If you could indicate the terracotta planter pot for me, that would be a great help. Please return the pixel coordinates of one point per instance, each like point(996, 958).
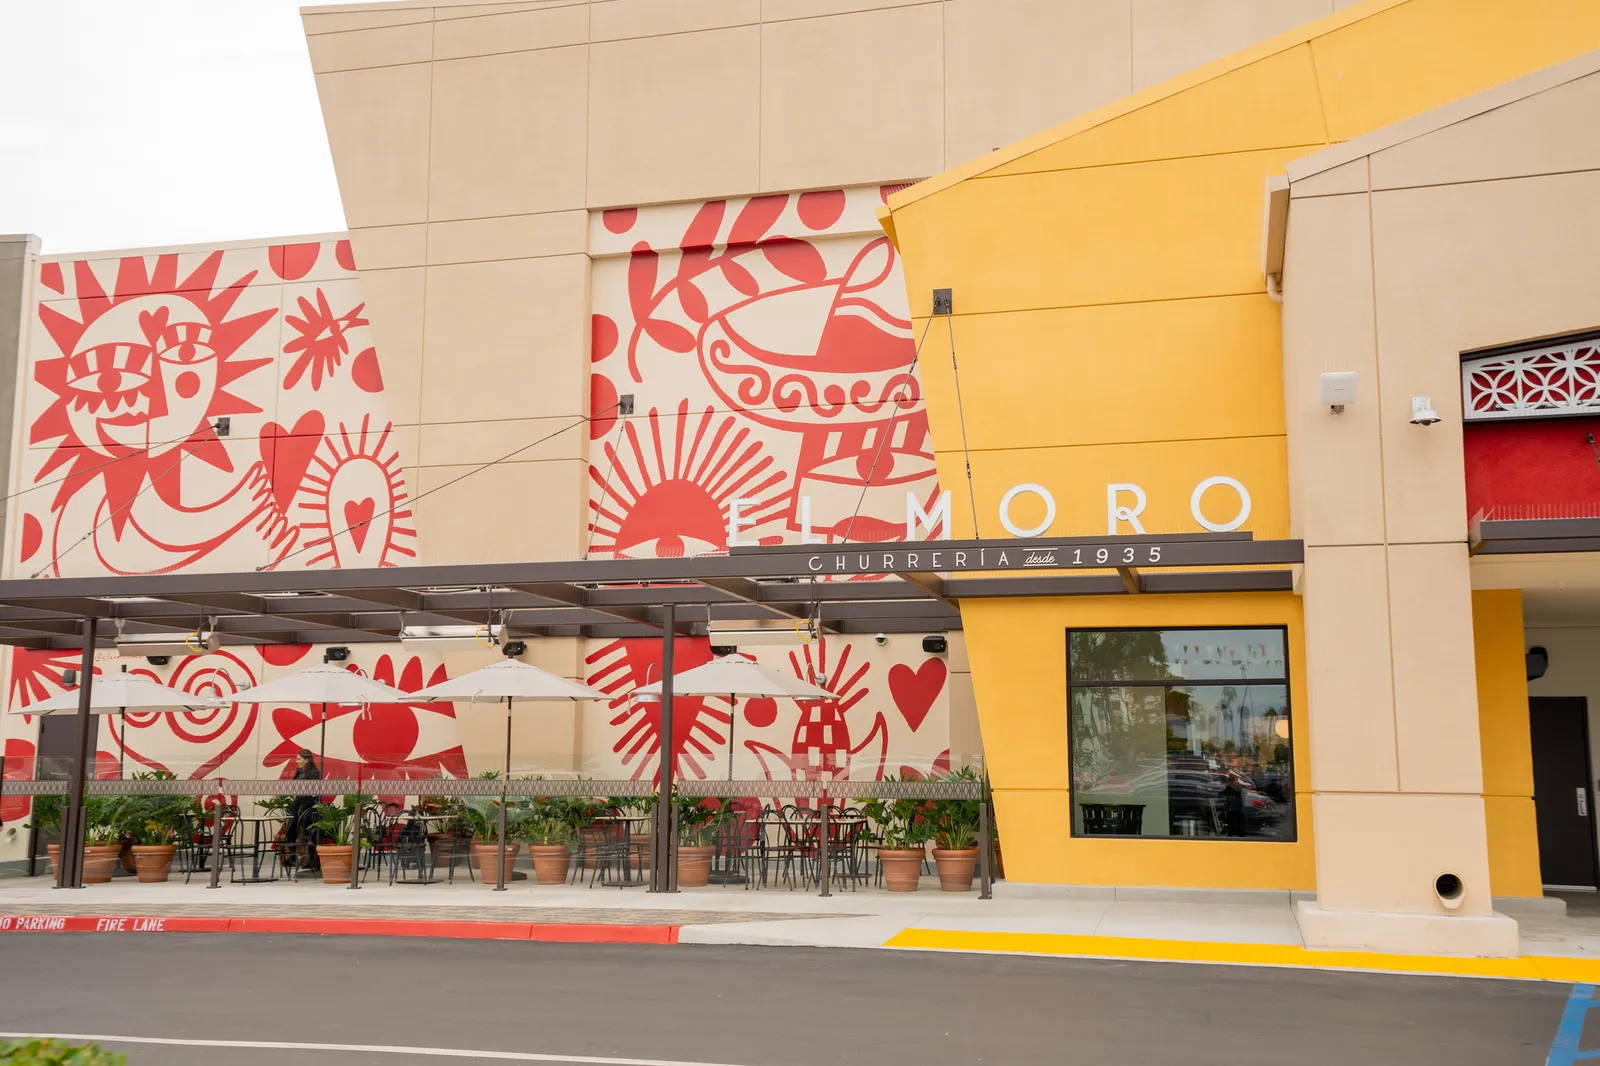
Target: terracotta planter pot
point(100, 862)
point(551, 862)
point(126, 859)
point(483, 856)
point(956, 868)
point(901, 868)
point(102, 873)
point(335, 860)
point(694, 865)
point(153, 862)
point(439, 848)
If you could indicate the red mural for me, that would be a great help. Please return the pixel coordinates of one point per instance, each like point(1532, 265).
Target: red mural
point(140, 359)
point(769, 349)
point(217, 409)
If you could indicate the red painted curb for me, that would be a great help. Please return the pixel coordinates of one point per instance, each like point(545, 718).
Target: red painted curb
point(130, 923)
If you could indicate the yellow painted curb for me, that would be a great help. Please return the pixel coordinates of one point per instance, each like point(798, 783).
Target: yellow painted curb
point(1525, 968)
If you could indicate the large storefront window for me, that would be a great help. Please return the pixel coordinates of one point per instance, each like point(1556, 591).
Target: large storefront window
point(1180, 733)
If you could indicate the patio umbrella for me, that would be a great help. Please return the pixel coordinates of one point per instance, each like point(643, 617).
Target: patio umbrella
point(118, 692)
point(734, 676)
point(323, 684)
point(511, 681)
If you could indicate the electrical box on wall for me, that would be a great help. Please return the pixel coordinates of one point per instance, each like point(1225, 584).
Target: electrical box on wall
point(1339, 389)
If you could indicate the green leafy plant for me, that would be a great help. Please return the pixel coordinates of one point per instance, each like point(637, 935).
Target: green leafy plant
point(955, 822)
point(336, 822)
point(549, 820)
point(51, 1053)
point(698, 820)
point(902, 823)
point(147, 819)
point(48, 811)
point(99, 819)
point(275, 805)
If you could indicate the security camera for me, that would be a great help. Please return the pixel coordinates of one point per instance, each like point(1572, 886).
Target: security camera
point(1422, 412)
point(880, 640)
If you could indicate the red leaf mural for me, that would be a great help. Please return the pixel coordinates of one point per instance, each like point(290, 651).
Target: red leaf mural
point(702, 232)
point(798, 259)
point(756, 219)
point(670, 335)
point(740, 278)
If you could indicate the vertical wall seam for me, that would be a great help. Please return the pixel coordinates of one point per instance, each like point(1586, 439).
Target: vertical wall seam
point(1383, 477)
point(427, 255)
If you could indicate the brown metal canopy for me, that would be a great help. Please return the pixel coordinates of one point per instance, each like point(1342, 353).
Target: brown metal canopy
point(915, 589)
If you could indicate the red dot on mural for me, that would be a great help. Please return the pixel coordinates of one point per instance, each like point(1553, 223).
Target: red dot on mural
point(32, 536)
point(761, 711)
point(621, 219)
point(602, 406)
point(604, 340)
point(187, 385)
point(345, 257)
point(365, 373)
point(284, 654)
point(291, 262)
point(819, 210)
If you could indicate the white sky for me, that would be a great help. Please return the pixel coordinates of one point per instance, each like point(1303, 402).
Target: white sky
point(126, 123)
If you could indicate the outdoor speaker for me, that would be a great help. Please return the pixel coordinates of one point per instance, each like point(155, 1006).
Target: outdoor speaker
point(1538, 661)
point(935, 645)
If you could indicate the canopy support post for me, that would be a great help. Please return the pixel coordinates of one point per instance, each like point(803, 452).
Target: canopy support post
point(69, 871)
point(664, 870)
point(505, 783)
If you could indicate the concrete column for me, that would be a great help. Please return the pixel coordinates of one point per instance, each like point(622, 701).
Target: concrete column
point(1396, 763)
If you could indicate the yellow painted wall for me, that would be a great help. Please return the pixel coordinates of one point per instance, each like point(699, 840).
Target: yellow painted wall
point(1112, 324)
point(1507, 749)
point(1018, 651)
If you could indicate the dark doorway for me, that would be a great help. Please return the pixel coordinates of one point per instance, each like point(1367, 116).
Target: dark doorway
point(1563, 791)
point(57, 748)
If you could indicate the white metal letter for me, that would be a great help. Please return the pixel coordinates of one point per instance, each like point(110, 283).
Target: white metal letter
point(1220, 527)
point(806, 536)
point(737, 521)
point(1118, 512)
point(1049, 510)
point(936, 522)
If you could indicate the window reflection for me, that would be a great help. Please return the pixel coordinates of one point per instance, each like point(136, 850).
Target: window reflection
point(1208, 756)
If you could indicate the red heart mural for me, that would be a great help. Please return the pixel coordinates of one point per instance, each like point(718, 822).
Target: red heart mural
point(915, 690)
point(288, 453)
point(357, 515)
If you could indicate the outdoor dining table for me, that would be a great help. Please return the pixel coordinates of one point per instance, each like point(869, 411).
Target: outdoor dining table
point(632, 825)
point(258, 830)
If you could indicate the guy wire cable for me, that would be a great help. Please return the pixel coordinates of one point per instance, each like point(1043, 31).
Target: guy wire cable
point(887, 433)
point(961, 412)
point(411, 501)
point(114, 512)
point(605, 489)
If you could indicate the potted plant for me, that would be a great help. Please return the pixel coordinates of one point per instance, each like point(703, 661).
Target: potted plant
point(550, 824)
point(904, 828)
point(697, 833)
point(149, 825)
point(955, 836)
point(442, 808)
point(335, 828)
point(482, 813)
point(102, 850)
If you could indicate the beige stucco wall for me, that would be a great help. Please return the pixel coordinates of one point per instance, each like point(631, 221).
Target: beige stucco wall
point(470, 140)
point(1398, 261)
point(18, 252)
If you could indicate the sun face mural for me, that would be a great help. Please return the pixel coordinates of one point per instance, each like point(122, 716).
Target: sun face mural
point(216, 409)
point(136, 362)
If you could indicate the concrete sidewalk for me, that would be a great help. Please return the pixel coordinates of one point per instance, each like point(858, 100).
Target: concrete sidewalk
point(1175, 925)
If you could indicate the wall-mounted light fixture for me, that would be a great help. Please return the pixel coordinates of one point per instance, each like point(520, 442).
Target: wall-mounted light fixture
point(1422, 412)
